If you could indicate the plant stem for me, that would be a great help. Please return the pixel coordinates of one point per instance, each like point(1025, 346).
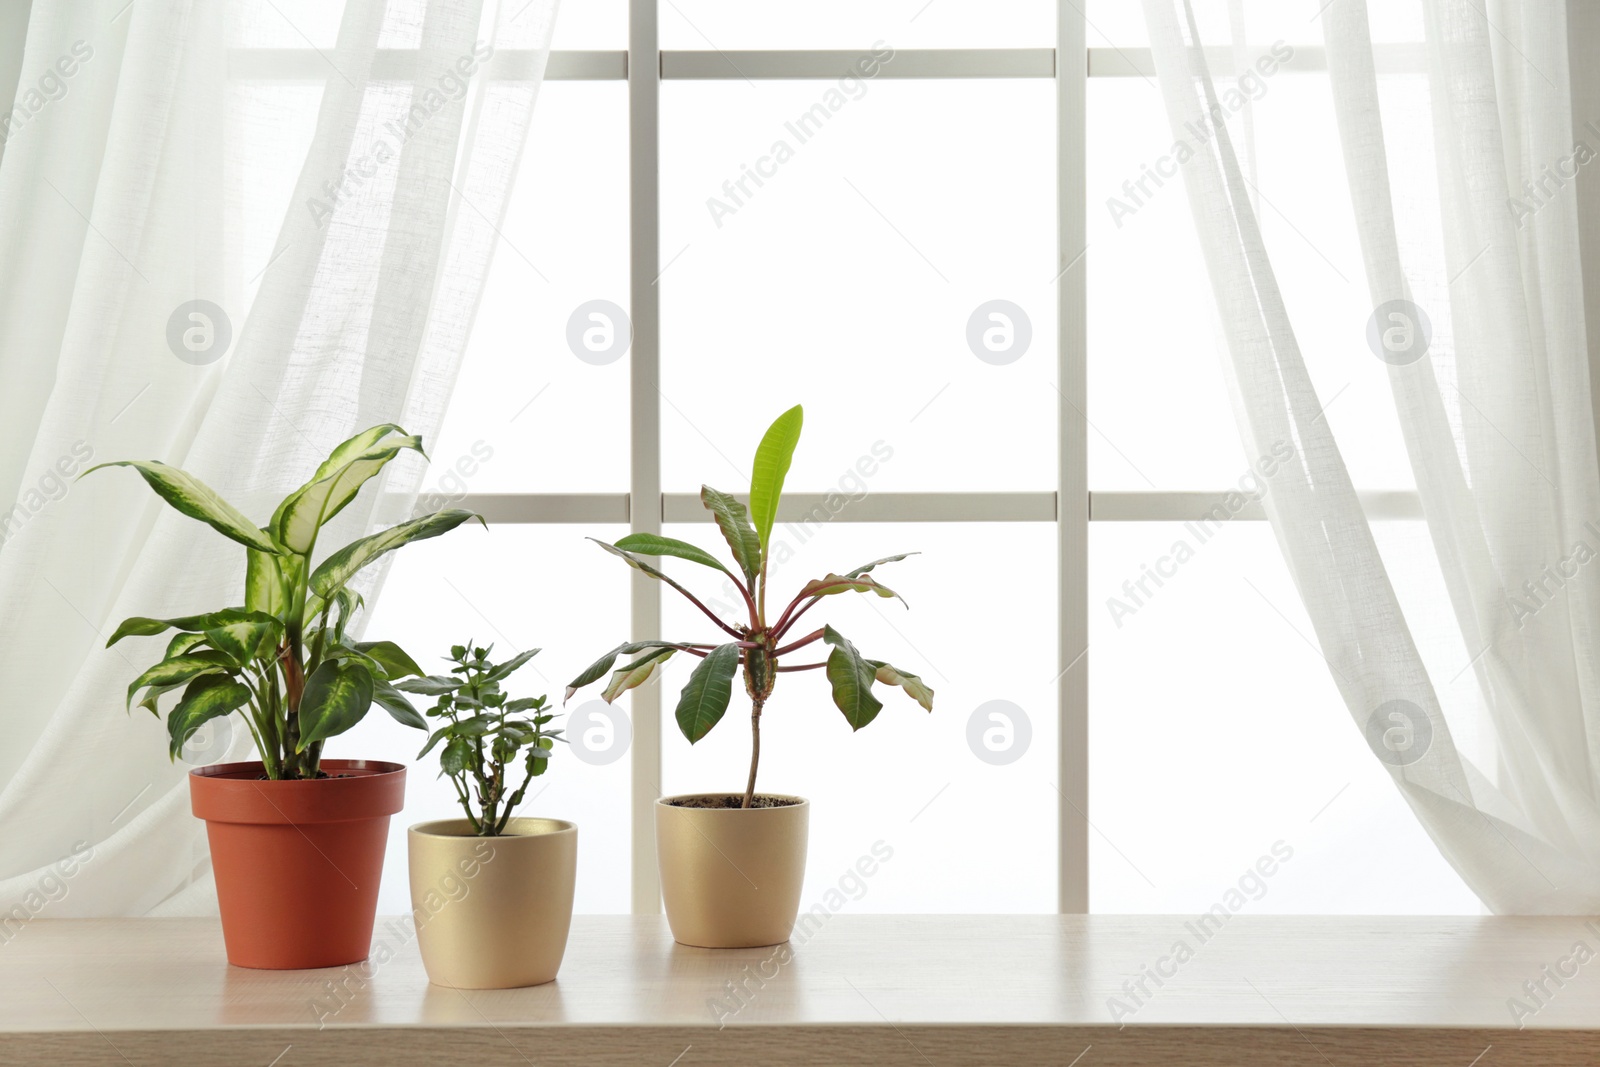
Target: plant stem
point(755, 750)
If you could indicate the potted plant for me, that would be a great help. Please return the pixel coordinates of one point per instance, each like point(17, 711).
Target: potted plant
point(732, 864)
point(297, 841)
point(491, 894)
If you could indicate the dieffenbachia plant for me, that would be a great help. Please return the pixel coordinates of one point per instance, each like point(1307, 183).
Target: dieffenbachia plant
point(484, 733)
point(282, 658)
point(758, 644)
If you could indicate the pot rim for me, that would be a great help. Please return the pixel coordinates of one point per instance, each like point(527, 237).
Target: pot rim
point(233, 771)
point(796, 802)
point(435, 829)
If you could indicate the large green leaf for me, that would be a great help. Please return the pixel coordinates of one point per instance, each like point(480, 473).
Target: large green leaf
point(859, 571)
point(399, 708)
point(655, 545)
point(635, 674)
point(640, 565)
point(177, 670)
point(835, 583)
point(705, 698)
point(734, 521)
point(182, 643)
point(769, 469)
point(139, 626)
point(206, 698)
point(596, 670)
point(851, 678)
point(915, 687)
point(340, 567)
point(303, 512)
point(391, 657)
point(194, 498)
point(338, 695)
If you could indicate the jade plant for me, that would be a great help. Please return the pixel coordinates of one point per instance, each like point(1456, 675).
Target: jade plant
point(484, 734)
point(282, 658)
point(759, 644)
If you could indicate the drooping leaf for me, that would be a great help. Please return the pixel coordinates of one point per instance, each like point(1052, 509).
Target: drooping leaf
point(640, 565)
point(206, 698)
point(430, 685)
point(655, 545)
point(835, 583)
point(915, 687)
point(851, 678)
point(340, 567)
point(192, 497)
point(635, 674)
point(337, 696)
point(770, 467)
point(139, 626)
point(705, 698)
point(391, 657)
point(399, 708)
point(859, 571)
point(596, 670)
point(441, 734)
point(734, 521)
point(176, 671)
point(307, 509)
point(503, 670)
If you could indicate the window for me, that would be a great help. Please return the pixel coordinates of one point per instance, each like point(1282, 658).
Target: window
point(668, 279)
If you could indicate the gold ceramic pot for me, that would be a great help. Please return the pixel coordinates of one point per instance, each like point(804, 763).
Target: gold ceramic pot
point(492, 912)
point(731, 877)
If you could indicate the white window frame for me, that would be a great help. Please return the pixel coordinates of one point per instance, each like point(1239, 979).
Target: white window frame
point(1071, 506)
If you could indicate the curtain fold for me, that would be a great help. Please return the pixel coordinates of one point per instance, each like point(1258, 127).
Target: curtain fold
point(229, 270)
point(1478, 314)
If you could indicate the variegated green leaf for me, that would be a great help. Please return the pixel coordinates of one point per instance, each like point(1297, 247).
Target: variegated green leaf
point(343, 565)
point(734, 521)
point(206, 698)
point(705, 698)
point(263, 583)
point(915, 687)
point(192, 497)
point(241, 634)
point(430, 685)
point(655, 545)
point(139, 626)
point(770, 467)
point(307, 509)
point(183, 642)
point(851, 678)
point(635, 674)
point(338, 695)
point(178, 670)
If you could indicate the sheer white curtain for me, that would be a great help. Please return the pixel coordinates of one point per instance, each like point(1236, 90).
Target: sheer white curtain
point(1476, 289)
point(335, 217)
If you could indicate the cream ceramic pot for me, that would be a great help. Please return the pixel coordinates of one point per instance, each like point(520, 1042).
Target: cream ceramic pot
point(492, 912)
point(731, 877)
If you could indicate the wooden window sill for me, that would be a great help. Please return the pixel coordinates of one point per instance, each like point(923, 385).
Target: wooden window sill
point(878, 989)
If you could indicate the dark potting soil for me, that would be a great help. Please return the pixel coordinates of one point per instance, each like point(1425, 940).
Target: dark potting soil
point(732, 800)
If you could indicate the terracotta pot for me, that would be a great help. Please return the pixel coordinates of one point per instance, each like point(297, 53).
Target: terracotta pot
point(297, 863)
point(731, 877)
point(492, 912)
